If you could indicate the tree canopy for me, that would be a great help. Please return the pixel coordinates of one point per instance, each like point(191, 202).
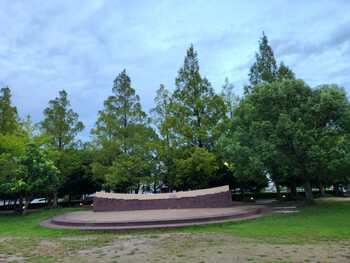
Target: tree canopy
point(280, 130)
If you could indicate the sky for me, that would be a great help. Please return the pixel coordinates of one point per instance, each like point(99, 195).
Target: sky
point(81, 46)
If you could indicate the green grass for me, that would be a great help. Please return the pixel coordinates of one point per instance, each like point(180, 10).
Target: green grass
point(323, 221)
point(28, 225)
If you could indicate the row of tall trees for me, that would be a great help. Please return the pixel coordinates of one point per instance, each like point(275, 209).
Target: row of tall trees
point(281, 129)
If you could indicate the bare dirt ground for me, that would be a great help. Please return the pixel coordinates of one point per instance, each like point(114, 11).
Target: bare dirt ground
point(177, 247)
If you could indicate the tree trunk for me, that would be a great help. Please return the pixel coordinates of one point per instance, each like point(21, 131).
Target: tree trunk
point(25, 206)
point(322, 191)
point(49, 201)
point(308, 192)
point(242, 192)
point(278, 191)
point(20, 205)
point(52, 200)
point(293, 191)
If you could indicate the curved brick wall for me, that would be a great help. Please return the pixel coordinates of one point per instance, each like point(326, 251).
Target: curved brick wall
point(206, 198)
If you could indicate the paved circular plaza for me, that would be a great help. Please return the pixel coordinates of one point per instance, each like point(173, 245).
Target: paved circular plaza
point(143, 219)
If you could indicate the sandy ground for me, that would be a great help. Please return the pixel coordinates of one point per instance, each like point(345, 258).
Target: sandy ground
point(180, 247)
point(218, 248)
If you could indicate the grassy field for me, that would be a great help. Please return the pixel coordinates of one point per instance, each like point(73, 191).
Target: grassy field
point(22, 239)
point(323, 221)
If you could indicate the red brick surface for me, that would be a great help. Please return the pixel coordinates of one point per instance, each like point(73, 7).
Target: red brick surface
point(222, 199)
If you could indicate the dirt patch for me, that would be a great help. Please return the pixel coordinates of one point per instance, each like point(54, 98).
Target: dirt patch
point(219, 248)
point(11, 258)
point(175, 248)
point(48, 248)
point(124, 249)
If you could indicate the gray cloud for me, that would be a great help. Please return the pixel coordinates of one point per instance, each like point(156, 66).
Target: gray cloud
point(334, 40)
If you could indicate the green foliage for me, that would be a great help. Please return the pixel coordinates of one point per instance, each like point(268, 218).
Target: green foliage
point(122, 111)
point(36, 173)
point(281, 130)
point(292, 133)
point(166, 145)
point(78, 178)
point(61, 123)
point(134, 168)
point(265, 69)
point(194, 171)
point(161, 113)
point(230, 98)
point(125, 172)
point(190, 122)
point(125, 142)
point(284, 72)
point(11, 147)
point(8, 113)
point(330, 119)
point(26, 169)
point(196, 112)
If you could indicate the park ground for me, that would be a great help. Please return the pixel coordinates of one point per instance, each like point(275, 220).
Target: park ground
point(318, 233)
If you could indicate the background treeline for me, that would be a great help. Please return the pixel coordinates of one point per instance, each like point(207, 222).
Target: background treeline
point(281, 130)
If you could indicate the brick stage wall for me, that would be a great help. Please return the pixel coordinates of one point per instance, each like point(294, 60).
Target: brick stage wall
point(222, 199)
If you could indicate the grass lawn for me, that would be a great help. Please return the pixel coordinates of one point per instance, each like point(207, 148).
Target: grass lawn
point(324, 221)
point(22, 239)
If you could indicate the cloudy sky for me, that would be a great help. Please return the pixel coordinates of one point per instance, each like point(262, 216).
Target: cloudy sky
point(81, 46)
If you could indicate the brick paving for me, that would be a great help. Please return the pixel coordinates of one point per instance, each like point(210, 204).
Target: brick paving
point(142, 219)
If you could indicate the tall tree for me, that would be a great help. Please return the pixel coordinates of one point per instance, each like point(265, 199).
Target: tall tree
point(165, 146)
point(122, 113)
point(197, 111)
point(124, 139)
point(8, 113)
point(195, 121)
point(61, 123)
